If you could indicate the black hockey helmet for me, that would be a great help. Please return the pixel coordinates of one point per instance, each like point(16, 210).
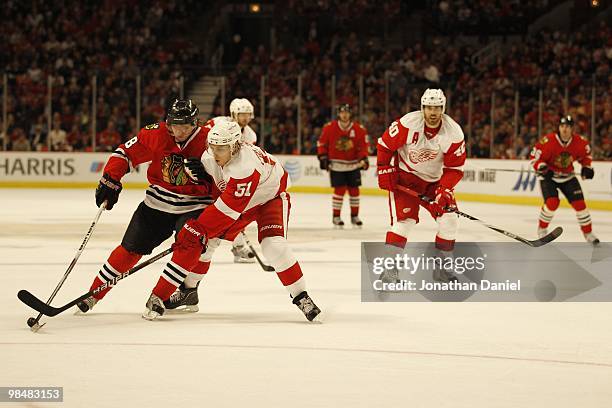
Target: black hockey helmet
point(566, 120)
point(344, 107)
point(182, 112)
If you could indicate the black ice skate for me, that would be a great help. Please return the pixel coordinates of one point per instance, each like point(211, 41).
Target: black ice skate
point(307, 306)
point(154, 308)
point(357, 223)
point(591, 238)
point(184, 300)
point(86, 305)
point(338, 223)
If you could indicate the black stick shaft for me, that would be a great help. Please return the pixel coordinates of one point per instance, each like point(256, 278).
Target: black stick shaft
point(75, 259)
point(48, 310)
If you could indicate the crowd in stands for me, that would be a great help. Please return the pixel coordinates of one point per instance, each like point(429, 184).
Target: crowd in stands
point(69, 42)
point(565, 67)
point(473, 17)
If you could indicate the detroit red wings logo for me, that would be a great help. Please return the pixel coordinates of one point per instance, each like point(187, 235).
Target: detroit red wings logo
point(421, 155)
point(222, 185)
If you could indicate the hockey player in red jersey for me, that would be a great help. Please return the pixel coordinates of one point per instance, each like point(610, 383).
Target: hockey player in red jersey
point(424, 151)
point(253, 185)
point(342, 149)
point(553, 159)
point(171, 198)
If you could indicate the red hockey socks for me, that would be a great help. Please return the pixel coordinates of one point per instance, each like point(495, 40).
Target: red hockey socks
point(119, 261)
point(337, 199)
point(354, 200)
point(292, 279)
point(548, 211)
point(583, 216)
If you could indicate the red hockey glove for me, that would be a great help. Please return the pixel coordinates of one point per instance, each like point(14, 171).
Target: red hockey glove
point(444, 201)
point(387, 177)
point(190, 242)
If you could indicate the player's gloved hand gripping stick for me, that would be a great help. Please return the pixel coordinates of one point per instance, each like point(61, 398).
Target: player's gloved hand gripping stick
point(554, 234)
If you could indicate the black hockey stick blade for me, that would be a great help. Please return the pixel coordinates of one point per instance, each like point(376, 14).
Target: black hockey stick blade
point(551, 236)
point(42, 307)
point(48, 310)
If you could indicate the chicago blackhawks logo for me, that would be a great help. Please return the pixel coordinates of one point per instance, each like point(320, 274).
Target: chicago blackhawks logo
point(564, 160)
point(344, 144)
point(422, 155)
point(173, 170)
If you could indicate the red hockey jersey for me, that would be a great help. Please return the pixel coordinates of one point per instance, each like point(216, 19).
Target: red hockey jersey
point(344, 147)
point(170, 189)
point(560, 156)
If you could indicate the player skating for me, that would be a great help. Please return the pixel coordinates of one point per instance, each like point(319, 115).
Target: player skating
point(253, 185)
point(553, 159)
point(343, 150)
point(171, 198)
point(424, 151)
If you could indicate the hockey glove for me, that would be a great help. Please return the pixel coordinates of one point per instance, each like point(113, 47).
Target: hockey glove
point(365, 164)
point(587, 173)
point(387, 177)
point(323, 162)
point(195, 170)
point(444, 201)
point(544, 171)
point(108, 190)
point(190, 242)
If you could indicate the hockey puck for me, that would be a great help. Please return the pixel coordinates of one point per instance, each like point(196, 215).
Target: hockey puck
point(31, 321)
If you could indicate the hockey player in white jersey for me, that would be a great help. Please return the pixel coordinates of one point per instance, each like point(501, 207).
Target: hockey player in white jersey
point(253, 187)
point(424, 151)
point(241, 112)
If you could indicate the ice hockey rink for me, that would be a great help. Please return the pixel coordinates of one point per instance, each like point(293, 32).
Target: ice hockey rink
point(249, 346)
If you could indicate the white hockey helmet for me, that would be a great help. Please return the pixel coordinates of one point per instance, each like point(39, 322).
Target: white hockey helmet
point(224, 132)
point(241, 105)
point(433, 97)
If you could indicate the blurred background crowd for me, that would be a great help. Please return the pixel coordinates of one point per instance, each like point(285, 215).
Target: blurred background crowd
point(509, 72)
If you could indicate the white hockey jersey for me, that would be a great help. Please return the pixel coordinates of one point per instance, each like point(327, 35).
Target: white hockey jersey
point(251, 178)
point(425, 155)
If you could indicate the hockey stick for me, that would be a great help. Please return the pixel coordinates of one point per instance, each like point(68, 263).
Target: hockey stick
point(522, 171)
point(48, 310)
point(267, 268)
point(551, 236)
point(33, 323)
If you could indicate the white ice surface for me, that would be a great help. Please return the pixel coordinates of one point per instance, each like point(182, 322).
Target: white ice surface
point(249, 346)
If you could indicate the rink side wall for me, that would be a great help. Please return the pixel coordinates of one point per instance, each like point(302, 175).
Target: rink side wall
point(480, 182)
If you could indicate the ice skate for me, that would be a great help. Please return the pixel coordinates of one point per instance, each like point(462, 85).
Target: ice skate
point(86, 305)
point(591, 238)
point(356, 222)
point(155, 308)
point(307, 306)
point(442, 275)
point(338, 223)
point(542, 232)
point(243, 254)
point(390, 276)
point(184, 300)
